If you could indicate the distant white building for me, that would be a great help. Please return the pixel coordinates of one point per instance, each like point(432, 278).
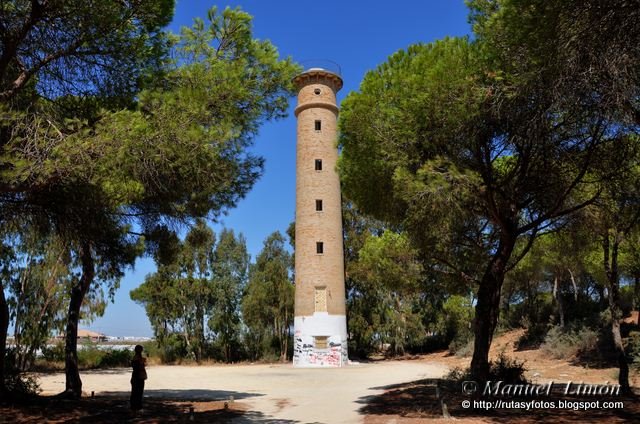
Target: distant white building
point(87, 335)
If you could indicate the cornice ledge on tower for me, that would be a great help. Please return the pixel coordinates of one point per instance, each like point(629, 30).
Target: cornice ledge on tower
point(325, 105)
point(318, 75)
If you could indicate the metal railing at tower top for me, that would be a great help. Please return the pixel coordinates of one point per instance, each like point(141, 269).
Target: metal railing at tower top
point(325, 64)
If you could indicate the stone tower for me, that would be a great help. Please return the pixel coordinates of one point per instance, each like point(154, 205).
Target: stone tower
point(320, 335)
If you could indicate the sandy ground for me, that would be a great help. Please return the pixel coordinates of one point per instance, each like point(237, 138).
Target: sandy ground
point(385, 392)
point(275, 393)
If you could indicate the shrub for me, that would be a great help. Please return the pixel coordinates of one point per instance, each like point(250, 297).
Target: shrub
point(151, 349)
point(570, 341)
point(54, 353)
point(90, 356)
point(454, 324)
point(503, 368)
point(17, 382)
point(633, 349)
point(114, 358)
point(432, 343)
point(533, 336)
point(536, 308)
point(458, 374)
point(506, 369)
point(172, 348)
point(462, 348)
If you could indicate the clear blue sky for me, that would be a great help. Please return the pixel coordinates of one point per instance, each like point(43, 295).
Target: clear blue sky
point(356, 34)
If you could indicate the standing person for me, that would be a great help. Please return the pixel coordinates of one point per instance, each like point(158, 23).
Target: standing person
point(138, 376)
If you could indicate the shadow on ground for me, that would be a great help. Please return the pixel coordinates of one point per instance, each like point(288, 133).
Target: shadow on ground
point(418, 400)
point(190, 395)
point(160, 406)
point(107, 371)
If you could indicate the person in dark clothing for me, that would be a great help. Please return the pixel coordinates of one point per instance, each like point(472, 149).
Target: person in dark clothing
point(138, 376)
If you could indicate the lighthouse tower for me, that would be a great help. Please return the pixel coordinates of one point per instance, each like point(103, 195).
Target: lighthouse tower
point(320, 334)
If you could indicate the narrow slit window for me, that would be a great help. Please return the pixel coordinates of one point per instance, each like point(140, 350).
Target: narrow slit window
point(318, 164)
point(319, 205)
point(318, 125)
point(319, 248)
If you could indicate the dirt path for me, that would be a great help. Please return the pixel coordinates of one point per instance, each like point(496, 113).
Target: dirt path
point(269, 392)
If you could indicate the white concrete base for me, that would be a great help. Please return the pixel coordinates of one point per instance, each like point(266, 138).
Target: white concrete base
point(306, 355)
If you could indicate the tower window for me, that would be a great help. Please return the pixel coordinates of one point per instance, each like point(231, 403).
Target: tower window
point(320, 342)
point(320, 299)
point(316, 91)
point(318, 125)
point(318, 164)
point(319, 248)
point(319, 205)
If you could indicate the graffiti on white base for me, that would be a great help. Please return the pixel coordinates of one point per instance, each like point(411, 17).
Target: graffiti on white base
point(305, 354)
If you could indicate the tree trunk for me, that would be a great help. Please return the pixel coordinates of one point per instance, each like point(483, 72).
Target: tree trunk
point(575, 285)
point(185, 334)
point(199, 333)
point(488, 307)
point(283, 357)
point(4, 328)
point(73, 381)
point(558, 296)
point(636, 298)
point(603, 298)
point(621, 356)
point(611, 267)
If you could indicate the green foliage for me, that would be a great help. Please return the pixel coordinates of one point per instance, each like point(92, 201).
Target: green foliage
point(458, 374)
point(477, 147)
point(267, 306)
point(112, 130)
point(199, 288)
point(357, 229)
point(506, 369)
point(633, 349)
point(462, 347)
point(569, 342)
point(173, 349)
point(534, 335)
point(76, 48)
point(555, 280)
point(413, 85)
point(383, 303)
point(230, 267)
point(53, 353)
point(16, 381)
point(503, 368)
point(114, 358)
point(92, 356)
point(454, 324)
point(627, 300)
point(44, 271)
point(37, 293)
point(152, 349)
point(389, 261)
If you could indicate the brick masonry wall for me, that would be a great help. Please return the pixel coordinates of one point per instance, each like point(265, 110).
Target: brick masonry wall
point(312, 269)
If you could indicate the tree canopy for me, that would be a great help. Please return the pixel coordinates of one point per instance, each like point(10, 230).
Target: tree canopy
point(476, 144)
point(114, 131)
